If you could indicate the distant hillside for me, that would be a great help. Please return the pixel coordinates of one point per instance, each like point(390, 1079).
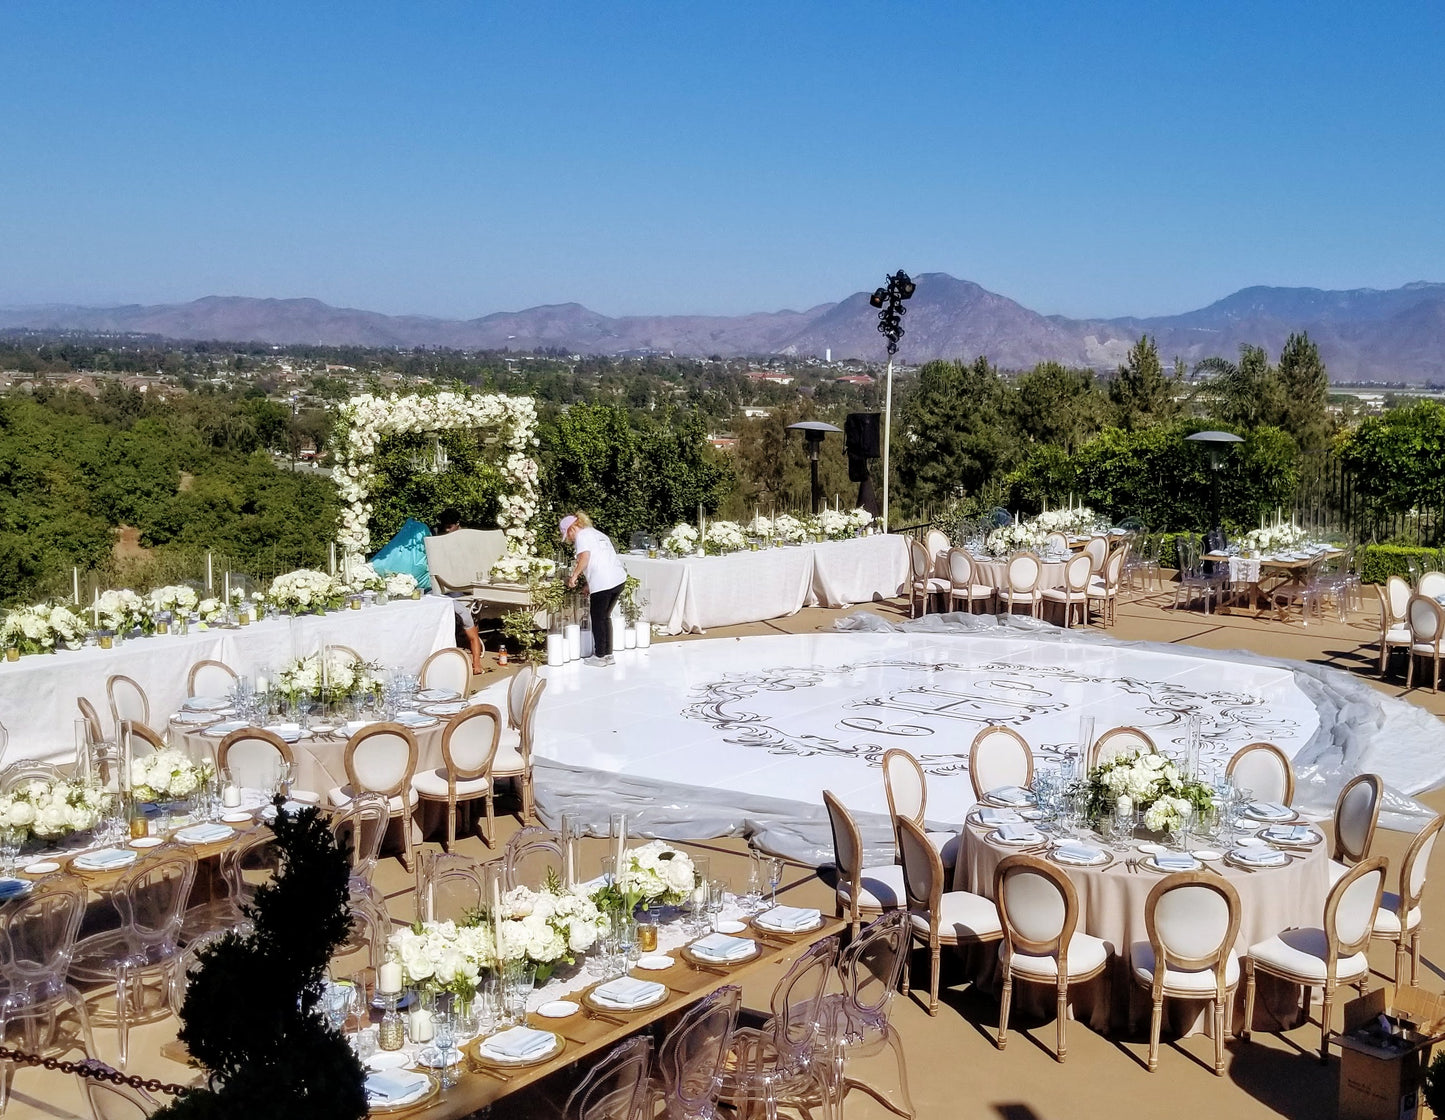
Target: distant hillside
point(1362, 334)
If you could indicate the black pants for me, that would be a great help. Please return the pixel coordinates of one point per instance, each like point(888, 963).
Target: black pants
point(600, 604)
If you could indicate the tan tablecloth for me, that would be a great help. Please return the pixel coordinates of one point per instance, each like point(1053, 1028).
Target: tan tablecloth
point(994, 573)
point(1111, 906)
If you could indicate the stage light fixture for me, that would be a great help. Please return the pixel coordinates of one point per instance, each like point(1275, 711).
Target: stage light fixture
point(877, 298)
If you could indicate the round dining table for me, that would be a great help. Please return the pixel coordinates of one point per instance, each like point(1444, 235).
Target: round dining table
point(993, 572)
point(1111, 906)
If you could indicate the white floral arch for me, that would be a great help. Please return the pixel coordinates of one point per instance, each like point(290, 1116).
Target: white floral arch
point(365, 419)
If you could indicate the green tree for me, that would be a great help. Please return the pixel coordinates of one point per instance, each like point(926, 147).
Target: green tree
point(1141, 393)
point(1058, 405)
point(1303, 395)
point(1397, 461)
point(1245, 393)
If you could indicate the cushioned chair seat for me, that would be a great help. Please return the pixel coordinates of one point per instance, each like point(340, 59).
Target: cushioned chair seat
point(1398, 637)
point(934, 585)
point(979, 591)
point(1062, 595)
point(1301, 952)
point(946, 845)
point(342, 795)
point(1019, 596)
point(433, 783)
point(1426, 649)
point(879, 888)
point(1387, 918)
point(1337, 871)
point(962, 916)
point(508, 760)
point(1085, 955)
point(1200, 981)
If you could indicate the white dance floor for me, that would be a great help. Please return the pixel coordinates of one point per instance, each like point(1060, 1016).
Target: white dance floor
point(714, 737)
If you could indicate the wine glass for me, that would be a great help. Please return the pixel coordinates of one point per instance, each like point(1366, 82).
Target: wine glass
point(775, 876)
point(753, 900)
point(1186, 814)
point(338, 997)
point(445, 1040)
point(716, 896)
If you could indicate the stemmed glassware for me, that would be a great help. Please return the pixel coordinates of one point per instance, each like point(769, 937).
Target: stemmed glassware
point(753, 900)
point(775, 876)
point(10, 839)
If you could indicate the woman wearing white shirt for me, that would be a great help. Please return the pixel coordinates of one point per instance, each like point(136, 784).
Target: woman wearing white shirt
point(596, 561)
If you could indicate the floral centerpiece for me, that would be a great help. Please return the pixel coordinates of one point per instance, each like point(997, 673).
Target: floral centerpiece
point(52, 810)
point(654, 874)
point(167, 775)
point(341, 677)
point(550, 926)
point(682, 540)
point(1274, 538)
point(860, 518)
point(789, 529)
point(177, 599)
point(831, 525)
point(516, 567)
point(1011, 538)
point(40, 628)
point(1154, 787)
point(305, 592)
point(760, 527)
point(211, 610)
point(443, 956)
point(121, 611)
point(400, 585)
point(1077, 521)
point(724, 536)
point(357, 577)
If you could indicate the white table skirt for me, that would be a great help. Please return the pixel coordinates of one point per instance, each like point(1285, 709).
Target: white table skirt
point(38, 693)
point(697, 592)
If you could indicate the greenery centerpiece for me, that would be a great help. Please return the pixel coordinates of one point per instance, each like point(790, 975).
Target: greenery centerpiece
point(630, 602)
point(1155, 787)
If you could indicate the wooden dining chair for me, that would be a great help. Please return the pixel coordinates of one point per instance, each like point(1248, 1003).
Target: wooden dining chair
point(937, 543)
point(999, 756)
point(1394, 632)
point(858, 890)
point(513, 758)
point(1105, 588)
point(381, 758)
point(1021, 579)
point(1400, 918)
point(250, 755)
point(1117, 741)
point(469, 748)
point(447, 668)
point(1427, 634)
point(127, 700)
point(1097, 549)
point(1357, 813)
point(92, 719)
point(1264, 770)
point(922, 582)
point(963, 581)
point(519, 688)
point(1074, 592)
point(906, 787)
point(210, 678)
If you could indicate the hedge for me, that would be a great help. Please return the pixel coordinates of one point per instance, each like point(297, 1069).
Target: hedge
point(1378, 562)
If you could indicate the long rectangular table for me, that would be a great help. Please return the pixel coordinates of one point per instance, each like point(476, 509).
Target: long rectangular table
point(692, 594)
point(38, 693)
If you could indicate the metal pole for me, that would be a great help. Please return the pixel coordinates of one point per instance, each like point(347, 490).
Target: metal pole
point(887, 432)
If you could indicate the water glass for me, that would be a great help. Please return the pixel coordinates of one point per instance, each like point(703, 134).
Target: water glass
point(10, 839)
point(775, 868)
point(753, 899)
point(484, 1007)
point(717, 897)
point(445, 1041)
point(518, 979)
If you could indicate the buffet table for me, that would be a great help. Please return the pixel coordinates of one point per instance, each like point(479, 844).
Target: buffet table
point(38, 693)
point(693, 593)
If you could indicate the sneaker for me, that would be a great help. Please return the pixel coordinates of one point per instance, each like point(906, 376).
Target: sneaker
point(606, 660)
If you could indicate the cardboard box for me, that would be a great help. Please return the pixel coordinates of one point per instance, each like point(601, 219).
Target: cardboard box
point(1383, 1063)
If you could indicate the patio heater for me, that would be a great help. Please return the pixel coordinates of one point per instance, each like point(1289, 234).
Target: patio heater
point(888, 301)
point(1216, 443)
point(814, 431)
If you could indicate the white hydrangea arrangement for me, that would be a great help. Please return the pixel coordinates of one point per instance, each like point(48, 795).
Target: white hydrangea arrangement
point(656, 874)
point(167, 775)
point(358, 576)
point(761, 527)
point(401, 585)
point(1077, 521)
point(1274, 538)
point(211, 610)
point(305, 592)
point(121, 611)
point(175, 599)
point(442, 956)
point(52, 810)
point(515, 567)
point(1012, 538)
point(39, 629)
point(831, 524)
point(724, 536)
point(860, 518)
point(1153, 785)
point(682, 540)
point(344, 676)
point(550, 926)
point(789, 529)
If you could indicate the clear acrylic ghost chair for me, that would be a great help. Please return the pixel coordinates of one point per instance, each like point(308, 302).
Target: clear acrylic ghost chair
point(360, 828)
point(940, 917)
point(37, 941)
point(777, 1063)
point(469, 747)
point(150, 899)
point(128, 700)
point(252, 860)
point(27, 770)
point(689, 1063)
point(857, 1024)
point(116, 1102)
point(858, 890)
point(448, 886)
point(616, 1088)
point(381, 758)
point(92, 719)
point(514, 750)
point(999, 757)
point(1357, 813)
point(1400, 919)
point(1192, 919)
point(250, 754)
point(1327, 955)
point(1039, 911)
point(530, 855)
point(906, 786)
point(210, 678)
point(449, 668)
point(1117, 741)
point(1264, 770)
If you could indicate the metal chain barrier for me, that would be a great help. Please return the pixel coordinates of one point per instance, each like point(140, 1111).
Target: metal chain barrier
point(93, 1068)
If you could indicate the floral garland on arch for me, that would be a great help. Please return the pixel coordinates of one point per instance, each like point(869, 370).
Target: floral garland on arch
point(365, 419)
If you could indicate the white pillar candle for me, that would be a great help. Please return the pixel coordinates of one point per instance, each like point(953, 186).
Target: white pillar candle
point(228, 592)
point(569, 867)
point(1124, 806)
point(231, 796)
point(556, 648)
point(419, 1025)
point(388, 978)
point(573, 634)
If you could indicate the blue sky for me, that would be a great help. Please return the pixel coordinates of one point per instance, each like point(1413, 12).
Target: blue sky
point(459, 159)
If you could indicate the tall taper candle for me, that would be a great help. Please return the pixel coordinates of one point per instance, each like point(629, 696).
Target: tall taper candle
point(495, 875)
point(619, 847)
point(75, 586)
point(95, 607)
point(210, 579)
point(331, 558)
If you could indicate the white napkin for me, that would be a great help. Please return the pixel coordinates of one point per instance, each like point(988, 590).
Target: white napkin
point(106, 857)
point(627, 991)
point(1175, 861)
point(520, 1043)
point(1288, 833)
point(1257, 855)
point(1074, 852)
point(226, 728)
point(790, 919)
point(394, 1085)
point(289, 732)
point(1019, 832)
point(1268, 809)
point(204, 704)
point(721, 947)
point(1011, 795)
point(995, 817)
point(437, 694)
point(204, 833)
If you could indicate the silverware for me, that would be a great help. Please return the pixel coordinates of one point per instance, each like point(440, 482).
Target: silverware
point(477, 1067)
point(603, 1016)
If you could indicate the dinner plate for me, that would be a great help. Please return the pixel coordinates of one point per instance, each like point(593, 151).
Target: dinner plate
point(287, 732)
point(1152, 849)
point(430, 1056)
point(591, 999)
point(1292, 816)
point(787, 932)
point(1153, 866)
point(143, 842)
point(1023, 842)
point(41, 867)
point(205, 704)
point(731, 926)
point(1272, 859)
point(383, 1060)
point(487, 1057)
point(1020, 800)
point(558, 1009)
point(1311, 837)
point(414, 719)
point(437, 695)
point(205, 834)
point(451, 708)
point(402, 1104)
point(655, 962)
point(714, 962)
point(1208, 855)
point(195, 719)
point(84, 862)
point(1103, 856)
point(237, 817)
point(225, 727)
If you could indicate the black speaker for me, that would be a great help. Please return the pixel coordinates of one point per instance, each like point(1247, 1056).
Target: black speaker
point(860, 435)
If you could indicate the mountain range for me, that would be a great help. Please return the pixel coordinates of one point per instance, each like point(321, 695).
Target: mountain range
point(1363, 334)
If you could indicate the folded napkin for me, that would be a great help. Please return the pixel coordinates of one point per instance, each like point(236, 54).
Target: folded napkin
point(789, 918)
point(721, 947)
point(13, 888)
point(395, 1085)
point(1259, 854)
point(1017, 833)
point(628, 991)
point(1074, 852)
point(520, 1042)
point(1011, 795)
point(413, 719)
point(289, 732)
point(436, 694)
point(225, 728)
point(204, 833)
point(996, 817)
point(1268, 809)
point(1288, 833)
point(204, 703)
point(106, 857)
point(1175, 861)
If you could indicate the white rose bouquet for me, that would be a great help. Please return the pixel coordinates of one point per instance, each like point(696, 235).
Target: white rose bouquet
point(29, 630)
point(789, 529)
point(443, 956)
point(1275, 538)
point(724, 536)
point(1078, 521)
point(860, 519)
point(52, 810)
point(168, 775)
point(401, 585)
point(344, 676)
point(682, 541)
point(121, 611)
point(1152, 783)
point(175, 599)
point(831, 524)
point(359, 576)
point(550, 926)
point(515, 567)
point(211, 610)
point(760, 526)
point(1012, 538)
point(655, 874)
point(305, 592)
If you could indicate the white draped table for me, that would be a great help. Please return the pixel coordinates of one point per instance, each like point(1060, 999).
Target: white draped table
point(38, 693)
point(691, 594)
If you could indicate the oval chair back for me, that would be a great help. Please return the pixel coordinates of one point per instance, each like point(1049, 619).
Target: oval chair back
point(530, 855)
point(360, 826)
point(918, 565)
point(251, 755)
point(1264, 770)
point(127, 700)
point(1056, 542)
point(92, 719)
point(691, 1057)
point(847, 844)
point(999, 756)
point(1117, 741)
point(796, 1000)
point(1037, 907)
point(210, 678)
point(449, 886)
point(905, 785)
point(143, 740)
point(469, 742)
point(937, 543)
point(517, 691)
point(871, 967)
point(1192, 919)
point(1077, 572)
point(1397, 594)
point(922, 869)
point(27, 770)
point(1097, 550)
point(1431, 585)
point(1024, 571)
point(1350, 910)
point(616, 1088)
point(1415, 866)
point(381, 758)
point(37, 936)
point(1426, 619)
point(448, 668)
point(1357, 812)
point(960, 568)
